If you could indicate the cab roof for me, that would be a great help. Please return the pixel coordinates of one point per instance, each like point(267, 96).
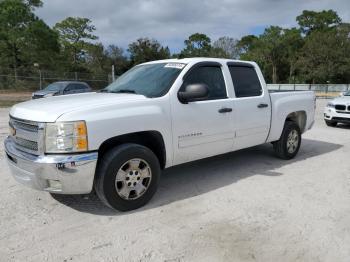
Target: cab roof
point(194, 60)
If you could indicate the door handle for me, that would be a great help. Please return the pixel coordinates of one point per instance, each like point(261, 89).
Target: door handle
point(225, 110)
point(262, 105)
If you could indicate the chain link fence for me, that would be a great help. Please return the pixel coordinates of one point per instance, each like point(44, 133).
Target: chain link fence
point(39, 79)
point(321, 90)
point(30, 81)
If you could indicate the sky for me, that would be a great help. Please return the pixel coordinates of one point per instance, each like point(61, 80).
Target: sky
point(121, 22)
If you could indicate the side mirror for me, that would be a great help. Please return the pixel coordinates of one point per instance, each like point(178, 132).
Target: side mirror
point(193, 92)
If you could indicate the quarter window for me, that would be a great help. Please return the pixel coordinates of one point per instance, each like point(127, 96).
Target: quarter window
point(211, 76)
point(245, 81)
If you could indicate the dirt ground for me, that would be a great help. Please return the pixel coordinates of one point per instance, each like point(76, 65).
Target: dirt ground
point(243, 206)
point(8, 98)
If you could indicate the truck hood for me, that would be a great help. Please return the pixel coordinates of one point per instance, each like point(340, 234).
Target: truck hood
point(50, 109)
point(343, 100)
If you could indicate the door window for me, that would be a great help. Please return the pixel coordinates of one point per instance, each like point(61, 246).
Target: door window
point(245, 81)
point(211, 76)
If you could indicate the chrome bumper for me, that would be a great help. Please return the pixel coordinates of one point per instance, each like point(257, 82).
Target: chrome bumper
point(64, 174)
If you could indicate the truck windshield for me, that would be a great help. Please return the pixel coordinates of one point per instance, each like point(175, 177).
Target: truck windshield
point(150, 80)
point(347, 93)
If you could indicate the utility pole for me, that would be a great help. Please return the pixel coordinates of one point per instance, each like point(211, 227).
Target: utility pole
point(113, 75)
point(40, 80)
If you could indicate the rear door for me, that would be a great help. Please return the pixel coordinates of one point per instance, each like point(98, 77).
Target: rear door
point(203, 128)
point(252, 106)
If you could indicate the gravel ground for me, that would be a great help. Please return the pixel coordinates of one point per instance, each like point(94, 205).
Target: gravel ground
point(243, 206)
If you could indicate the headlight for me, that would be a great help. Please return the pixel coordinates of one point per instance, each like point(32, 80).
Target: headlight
point(63, 137)
point(331, 105)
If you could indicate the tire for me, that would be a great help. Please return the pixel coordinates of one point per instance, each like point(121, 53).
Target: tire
point(283, 148)
point(127, 177)
point(331, 123)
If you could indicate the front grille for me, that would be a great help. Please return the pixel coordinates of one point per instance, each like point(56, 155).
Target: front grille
point(348, 108)
point(340, 107)
point(26, 135)
point(25, 125)
point(27, 144)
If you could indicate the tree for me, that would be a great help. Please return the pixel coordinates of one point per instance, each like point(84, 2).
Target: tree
point(310, 20)
point(229, 45)
point(293, 43)
point(145, 49)
point(34, 3)
point(96, 58)
point(75, 34)
point(118, 59)
point(197, 45)
point(267, 50)
point(325, 57)
point(24, 38)
point(246, 44)
point(43, 46)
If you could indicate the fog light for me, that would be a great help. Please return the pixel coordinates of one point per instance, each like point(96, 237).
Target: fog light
point(55, 184)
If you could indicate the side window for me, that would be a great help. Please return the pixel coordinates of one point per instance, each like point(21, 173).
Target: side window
point(211, 76)
point(245, 81)
point(69, 88)
point(79, 87)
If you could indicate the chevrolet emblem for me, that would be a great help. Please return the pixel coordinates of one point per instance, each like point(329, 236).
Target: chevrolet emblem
point(12, 130)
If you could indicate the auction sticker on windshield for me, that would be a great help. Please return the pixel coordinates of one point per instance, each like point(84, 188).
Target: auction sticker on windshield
point(175, 65)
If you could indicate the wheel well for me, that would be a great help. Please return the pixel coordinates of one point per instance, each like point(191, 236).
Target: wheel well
point(151, 139)
point(299, 118)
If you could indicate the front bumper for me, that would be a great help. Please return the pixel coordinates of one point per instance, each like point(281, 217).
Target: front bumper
point(64, 174)
point(331, 114)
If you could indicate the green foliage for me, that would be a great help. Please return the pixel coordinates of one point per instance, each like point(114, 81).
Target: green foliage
point(24, 38)
point(326, 62)
point(311, 20)
point(145, 49)
point(317, 52)
point(75, 34)
point(197, 45)
point(118, 59)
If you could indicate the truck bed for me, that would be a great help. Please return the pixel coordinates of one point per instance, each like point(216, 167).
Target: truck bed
point(283, 102)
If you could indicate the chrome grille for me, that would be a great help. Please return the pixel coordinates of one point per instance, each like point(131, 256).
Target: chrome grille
point(26, 135)
point(31, 145)
point(21, 124)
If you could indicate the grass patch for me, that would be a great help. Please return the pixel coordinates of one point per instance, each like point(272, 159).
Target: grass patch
point(6, 103)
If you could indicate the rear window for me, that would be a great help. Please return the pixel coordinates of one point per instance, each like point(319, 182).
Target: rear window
point(245, 81)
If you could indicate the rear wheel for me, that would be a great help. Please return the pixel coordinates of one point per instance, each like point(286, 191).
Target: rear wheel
point(331, 123)
point(288, 145)
point(127, 177)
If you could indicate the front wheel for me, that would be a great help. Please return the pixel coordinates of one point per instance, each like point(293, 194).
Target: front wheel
point(288, 145)
point(127, 177)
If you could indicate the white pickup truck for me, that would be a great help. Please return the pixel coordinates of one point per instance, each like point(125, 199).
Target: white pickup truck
point(157, 115)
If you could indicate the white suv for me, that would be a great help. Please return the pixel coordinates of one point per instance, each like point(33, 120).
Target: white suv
point(338, 110)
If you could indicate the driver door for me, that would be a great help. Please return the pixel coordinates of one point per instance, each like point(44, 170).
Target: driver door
point(203, 128)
